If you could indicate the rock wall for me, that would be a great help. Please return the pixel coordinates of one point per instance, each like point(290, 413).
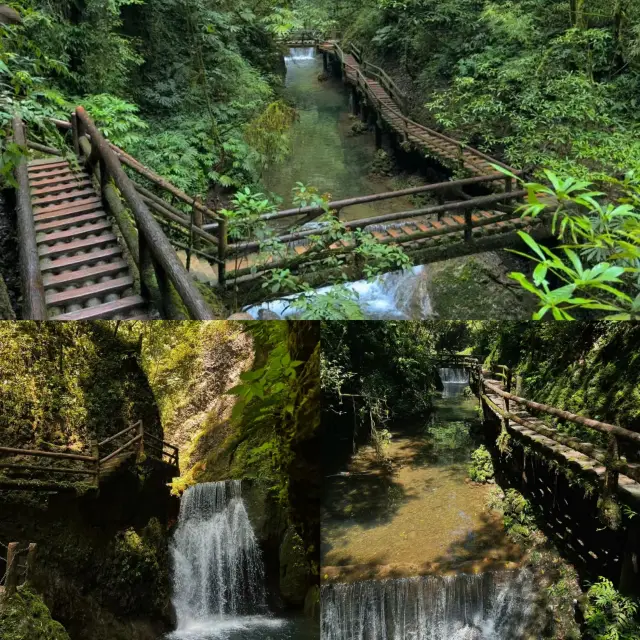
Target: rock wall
point(102, 566)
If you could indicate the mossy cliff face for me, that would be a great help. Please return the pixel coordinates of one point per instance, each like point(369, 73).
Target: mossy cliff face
point(102, 564)
point(66, 383)
point(25, 616)
point(190, 366)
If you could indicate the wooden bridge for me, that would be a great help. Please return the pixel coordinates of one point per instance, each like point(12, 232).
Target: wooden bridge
point(132, 442)
point(97, 243)
point(17, 563)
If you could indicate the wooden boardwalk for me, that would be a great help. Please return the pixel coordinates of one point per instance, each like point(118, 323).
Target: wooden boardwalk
point(379, 90)
point(84, 273)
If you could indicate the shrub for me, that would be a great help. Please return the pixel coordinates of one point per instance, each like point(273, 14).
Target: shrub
point(609, 615)
point(481, 467)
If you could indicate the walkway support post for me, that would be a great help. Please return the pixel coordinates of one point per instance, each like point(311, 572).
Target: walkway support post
point(155, 247)
point(11, 581)
point(141, 435)
point(34, 305)
point(31, 561)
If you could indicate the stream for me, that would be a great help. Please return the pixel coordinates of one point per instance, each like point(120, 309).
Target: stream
point(218, 574)
point(411, 550)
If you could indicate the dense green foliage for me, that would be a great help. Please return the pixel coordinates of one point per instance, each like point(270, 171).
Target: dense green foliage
point(481, 467)
point(63, 384)
point(548, 83)
point(185, 86)
point(26, 617)
point(609, 615)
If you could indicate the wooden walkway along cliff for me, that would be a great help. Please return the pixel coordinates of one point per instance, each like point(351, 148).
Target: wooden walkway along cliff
point(374, 90)
point(107, 456)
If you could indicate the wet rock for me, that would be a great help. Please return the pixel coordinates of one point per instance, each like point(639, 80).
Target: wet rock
point(295, 573)
point(312, 603)
point(266, 314)
point(240, 316)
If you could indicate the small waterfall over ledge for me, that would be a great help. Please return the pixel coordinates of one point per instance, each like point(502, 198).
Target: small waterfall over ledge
point(454, 380)
point(488, 606)
point(218, 572)
point(300, 53)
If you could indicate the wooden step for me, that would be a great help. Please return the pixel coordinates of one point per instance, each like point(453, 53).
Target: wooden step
point(47, 189)
point(78, 232)
point(73, 194)
point(60, 171)
point(64, 210)
point(78, 245)
point(78, 261)
point(105, 310)
point(67, 176)
point(74, 296)
point(66, 278)
point(70, 222)
point(46, 163)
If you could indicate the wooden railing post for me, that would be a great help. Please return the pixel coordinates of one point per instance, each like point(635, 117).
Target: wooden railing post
point(76, 134)
point(141, 434)
point(468, 225)
point(222, 251)
point(612, 467)
point(197, 219)
point(95, 452)
point(11, 581)
point(31, 561)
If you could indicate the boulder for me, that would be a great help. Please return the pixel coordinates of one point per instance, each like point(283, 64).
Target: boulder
point(240, 316)
point(9, 15)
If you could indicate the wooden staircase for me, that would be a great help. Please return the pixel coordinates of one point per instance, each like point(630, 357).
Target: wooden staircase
point(84, 273)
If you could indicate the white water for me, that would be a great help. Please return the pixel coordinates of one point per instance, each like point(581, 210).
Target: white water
point(400, 295)
point(218, 574)
point(488, 606)
point(453, 381)
point(300, 53)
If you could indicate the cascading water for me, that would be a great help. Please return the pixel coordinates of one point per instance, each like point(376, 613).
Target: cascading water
point(453, 381)
point(218, 572)
point(300, 53)
point(488, 606)
point(398, 295)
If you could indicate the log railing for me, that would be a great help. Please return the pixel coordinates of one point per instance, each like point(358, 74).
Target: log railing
point(513, 404)
point(19, 564)
point(165, 204)
point(34, 303)
point(132, 439)
point(417, 130)
point(159, 266)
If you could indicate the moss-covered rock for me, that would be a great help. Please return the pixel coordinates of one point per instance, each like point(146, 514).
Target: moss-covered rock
point(295, 573)
point(312, 603)
point(25, 616)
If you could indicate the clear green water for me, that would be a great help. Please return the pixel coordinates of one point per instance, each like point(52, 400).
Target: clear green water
point(324, 152)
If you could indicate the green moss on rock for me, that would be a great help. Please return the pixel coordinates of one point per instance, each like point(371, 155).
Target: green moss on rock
point(25, 616)
point(295, 573)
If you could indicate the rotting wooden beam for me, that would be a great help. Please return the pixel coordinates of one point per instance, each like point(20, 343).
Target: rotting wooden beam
point(34, 306)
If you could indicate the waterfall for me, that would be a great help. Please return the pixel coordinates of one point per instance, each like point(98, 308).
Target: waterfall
point(398, 295)
point(487, 606)
point(217, 567)
point(453, 381)
point(300, 53)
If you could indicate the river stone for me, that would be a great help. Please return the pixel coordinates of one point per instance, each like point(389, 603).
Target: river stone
point(266, 314)
point(240, 316)
point(295, 573)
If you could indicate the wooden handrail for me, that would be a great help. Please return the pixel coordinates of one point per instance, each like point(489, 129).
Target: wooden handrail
point(163, 442)
point(376, 197)
point(32, 467)
point(121, 449)
point(463, 205)
point(34, 306)
point(155, 248)
point(603, 427)
point(120, 433)
point(46, 454)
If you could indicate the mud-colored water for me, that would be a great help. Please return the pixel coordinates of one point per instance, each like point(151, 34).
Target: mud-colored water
point(418, 513)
